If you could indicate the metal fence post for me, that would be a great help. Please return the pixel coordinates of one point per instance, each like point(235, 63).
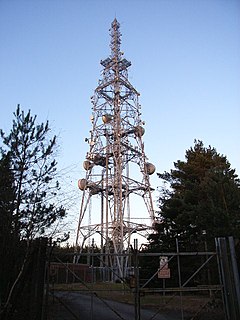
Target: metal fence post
point(179, 278)
point(136, 274)
point(225, 272)
point(236, 283)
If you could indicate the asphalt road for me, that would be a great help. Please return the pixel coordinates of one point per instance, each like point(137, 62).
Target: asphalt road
point(79, 306)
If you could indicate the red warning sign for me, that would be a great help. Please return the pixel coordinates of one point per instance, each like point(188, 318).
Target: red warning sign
point(164, 271)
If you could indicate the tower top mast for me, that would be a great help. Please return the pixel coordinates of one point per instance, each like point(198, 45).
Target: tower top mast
point(115, 62)
point(115, 40)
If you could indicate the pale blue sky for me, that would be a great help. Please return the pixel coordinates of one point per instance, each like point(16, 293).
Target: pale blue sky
point(185, 63)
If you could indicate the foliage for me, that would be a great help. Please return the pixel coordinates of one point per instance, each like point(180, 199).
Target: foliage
point(7, 197)
point(201, 201)
point(34, 169)
point(65, 253)
point(28, 189)
point(8, 241)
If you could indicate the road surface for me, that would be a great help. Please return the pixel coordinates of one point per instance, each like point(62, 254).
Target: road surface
point(77, 306)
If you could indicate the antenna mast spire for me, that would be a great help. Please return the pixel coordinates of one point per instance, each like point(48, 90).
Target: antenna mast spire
point(117, 170)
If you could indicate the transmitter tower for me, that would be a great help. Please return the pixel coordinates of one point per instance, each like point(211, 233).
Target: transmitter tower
point(117, 169)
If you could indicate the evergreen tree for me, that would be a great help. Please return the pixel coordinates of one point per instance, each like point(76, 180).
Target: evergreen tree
point(200, 201)
point(28, 206)
point(34, 169)
point(8, 239)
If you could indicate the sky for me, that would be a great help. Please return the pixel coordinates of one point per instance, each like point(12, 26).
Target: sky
point(185, 58)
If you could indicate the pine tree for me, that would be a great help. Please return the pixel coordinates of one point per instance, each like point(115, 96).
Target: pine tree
point(8, 238)
point(200, 200)
point(28, 206)
point(34, 169)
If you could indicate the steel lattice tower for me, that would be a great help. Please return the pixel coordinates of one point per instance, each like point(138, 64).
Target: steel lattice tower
point(116, 155)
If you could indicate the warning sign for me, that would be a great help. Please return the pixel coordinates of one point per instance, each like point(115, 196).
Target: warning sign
point(164, 271)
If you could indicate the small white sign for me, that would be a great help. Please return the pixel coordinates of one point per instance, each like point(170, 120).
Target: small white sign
point(164, 271)
point(163, 262)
